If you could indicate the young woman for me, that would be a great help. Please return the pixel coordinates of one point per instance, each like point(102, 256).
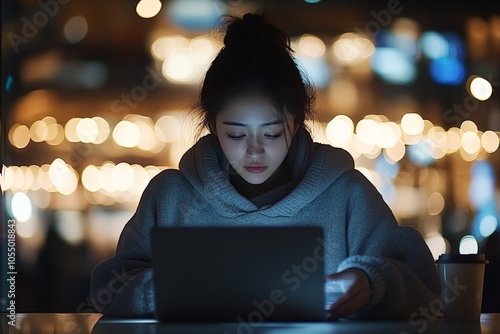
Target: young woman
point(259, 164)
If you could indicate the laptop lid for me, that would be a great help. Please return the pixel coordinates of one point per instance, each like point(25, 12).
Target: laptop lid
point(249, 275)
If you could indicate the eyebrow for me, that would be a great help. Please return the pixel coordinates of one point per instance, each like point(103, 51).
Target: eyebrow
point(263, 124)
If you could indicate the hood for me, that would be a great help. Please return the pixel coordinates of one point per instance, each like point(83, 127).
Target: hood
point(206, 168)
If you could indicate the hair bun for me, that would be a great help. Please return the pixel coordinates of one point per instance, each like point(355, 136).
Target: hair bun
point(253, 30)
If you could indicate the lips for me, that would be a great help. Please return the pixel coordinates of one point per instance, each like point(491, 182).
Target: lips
point(255, 169)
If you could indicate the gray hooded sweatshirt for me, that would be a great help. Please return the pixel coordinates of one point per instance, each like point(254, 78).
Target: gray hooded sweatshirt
point(359, 229)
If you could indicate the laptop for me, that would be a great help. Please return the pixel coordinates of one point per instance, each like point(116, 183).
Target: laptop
point(248, 275)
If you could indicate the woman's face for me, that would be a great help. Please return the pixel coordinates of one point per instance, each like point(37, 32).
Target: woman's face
point(254, 137)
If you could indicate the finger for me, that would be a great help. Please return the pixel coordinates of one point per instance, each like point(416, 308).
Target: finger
point(353, 304)
point(344, 300)
point(353, 290)
point(350, 307)
point(348, 304)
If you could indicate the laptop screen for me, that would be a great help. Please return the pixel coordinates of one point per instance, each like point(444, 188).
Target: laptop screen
point(234, 274)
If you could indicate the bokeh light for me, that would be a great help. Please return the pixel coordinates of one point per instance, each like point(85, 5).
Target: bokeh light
point(70, 130)
point(19, 136)
point(168, 128)
point(122, 177)
point(148, 8)
point(412, 124)
point(87, 130)
point(435, 204)
point(39, 131)
point(352, 49)
point(468, 245)
point(107, 177)
point(447, 71)
point(490, 141)
point(437, 245)
point(103, 130)
point(195, 14)
point(454, 140)
point(127, 134)
point(393, 66)
point(92, 178)
point(21, 207)
point(339, 131)
point(470, 142)
point(184, 61)
point(488, 225)
point(201, 50)
point(480, 88)
point(63, 177)
point(389, 134)
point(468, 125)
point(166, 46)
point(434, 45)
point(75, 29)
point(396, 152)
point(179, 68)
point(310, 46)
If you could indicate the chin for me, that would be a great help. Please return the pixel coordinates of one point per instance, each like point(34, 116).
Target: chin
point(252, 179)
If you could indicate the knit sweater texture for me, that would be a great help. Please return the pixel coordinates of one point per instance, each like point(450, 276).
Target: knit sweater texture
point(359, 229)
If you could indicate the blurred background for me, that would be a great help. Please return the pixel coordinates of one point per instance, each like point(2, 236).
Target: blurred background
point(96, 98)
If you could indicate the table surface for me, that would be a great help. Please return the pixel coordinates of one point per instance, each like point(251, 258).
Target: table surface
point(84, 323)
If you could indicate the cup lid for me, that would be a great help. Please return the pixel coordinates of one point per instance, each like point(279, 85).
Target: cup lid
point(462, 258)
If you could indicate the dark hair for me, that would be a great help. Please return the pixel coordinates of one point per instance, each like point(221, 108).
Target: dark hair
point(256, 59)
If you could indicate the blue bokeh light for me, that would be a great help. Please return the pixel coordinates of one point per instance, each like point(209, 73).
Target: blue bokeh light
point(401, 42)
point(316, 70)
point(420, 153)
point(434, 45)
point(393, 66)
point(385, 168)
point(482, 185)
point(195, 14)
point(9, 82)
point(447, 71)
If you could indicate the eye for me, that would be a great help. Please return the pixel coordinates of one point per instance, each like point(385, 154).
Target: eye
point(276, 136)
point(235, 137)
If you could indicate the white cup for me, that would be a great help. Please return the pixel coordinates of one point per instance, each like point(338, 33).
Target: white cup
point(462, 278)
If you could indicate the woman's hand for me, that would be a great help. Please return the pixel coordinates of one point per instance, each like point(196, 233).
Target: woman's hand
point(357, 292)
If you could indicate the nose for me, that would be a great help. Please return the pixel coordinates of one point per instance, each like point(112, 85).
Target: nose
point(255, 150)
